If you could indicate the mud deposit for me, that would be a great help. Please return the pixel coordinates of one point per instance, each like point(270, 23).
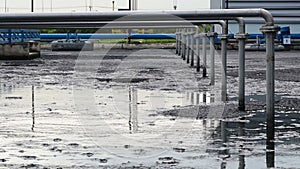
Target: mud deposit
point(142, 109)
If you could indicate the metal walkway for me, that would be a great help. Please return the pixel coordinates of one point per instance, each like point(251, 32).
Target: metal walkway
point(8, 36)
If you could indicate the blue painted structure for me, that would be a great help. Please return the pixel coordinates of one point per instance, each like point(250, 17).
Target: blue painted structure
point(284, 32)
point(8, 36)
point(137, 36)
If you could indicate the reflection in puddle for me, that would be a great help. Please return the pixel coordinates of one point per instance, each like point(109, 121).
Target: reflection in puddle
point(32, 105)
point(133, 111)
point(139, 131)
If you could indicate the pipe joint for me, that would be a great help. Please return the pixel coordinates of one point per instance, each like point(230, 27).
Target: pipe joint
point(241, 35)
point(270, 29)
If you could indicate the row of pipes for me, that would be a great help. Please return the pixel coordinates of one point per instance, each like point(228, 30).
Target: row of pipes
point(188, 47)
point(185, 47)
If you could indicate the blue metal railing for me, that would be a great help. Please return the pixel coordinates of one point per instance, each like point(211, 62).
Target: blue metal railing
point(8, 36)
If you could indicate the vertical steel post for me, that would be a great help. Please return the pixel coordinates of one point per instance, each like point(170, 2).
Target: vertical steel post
point(192, 47)
point(5, 6)
point(241, 36)
point(51, 5)
point(204, 46)
point(113, 5)
point(270, 33)
point(198, 50)
point(212, 54)
point(183, 44)
point(224, 38)
point(188, 46)
point(32, 6)
point(179, 42)
point(176, 47)
point(241, 74)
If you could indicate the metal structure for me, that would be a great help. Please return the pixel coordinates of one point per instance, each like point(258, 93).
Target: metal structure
point(287, 10)
point(284, 12)
point(32, 5)
point(269, 29)
point(8, 36)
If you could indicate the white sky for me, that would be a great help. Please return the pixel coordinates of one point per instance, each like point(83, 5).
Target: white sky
point(98, 5)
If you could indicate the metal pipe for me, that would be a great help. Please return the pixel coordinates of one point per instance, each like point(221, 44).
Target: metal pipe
point(204, 46)
point(183, 44)
point(193, 45)
point(5, 6)
point(177, 34)
point(32, 6)
point(138, 15)
point(224, 39)
point(270, 33)
point(270, 101)
point(188, 46)
point(180, 42)
point(222, 24)
point(241, 36)
point(212, 54)
point(198, 51)
point(113, 5)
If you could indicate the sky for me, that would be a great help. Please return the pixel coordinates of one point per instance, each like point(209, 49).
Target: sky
point(98, 5)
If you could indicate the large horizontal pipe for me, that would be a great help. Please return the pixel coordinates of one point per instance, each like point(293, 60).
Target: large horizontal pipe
point(278, 20)
point(137, 15)
point(108, 25)
point(107, 36)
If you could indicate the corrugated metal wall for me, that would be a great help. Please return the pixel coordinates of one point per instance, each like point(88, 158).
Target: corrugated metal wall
point(285, 13)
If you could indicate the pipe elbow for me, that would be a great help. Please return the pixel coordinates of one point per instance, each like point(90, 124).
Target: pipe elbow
point(222, 23)
point(240, 20)
point(267, 16)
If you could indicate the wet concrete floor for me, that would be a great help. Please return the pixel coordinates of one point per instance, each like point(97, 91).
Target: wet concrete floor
point(143, 109)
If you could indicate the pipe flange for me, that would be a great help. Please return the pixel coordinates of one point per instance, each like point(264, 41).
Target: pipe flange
point(241, 35)
point(224, 37)
point(212, 34)
point(269, 29)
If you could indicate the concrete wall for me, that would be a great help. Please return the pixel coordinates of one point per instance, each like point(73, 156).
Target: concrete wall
point(20, 51)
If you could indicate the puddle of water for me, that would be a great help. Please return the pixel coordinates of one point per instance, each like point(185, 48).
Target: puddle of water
point(42, 125)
